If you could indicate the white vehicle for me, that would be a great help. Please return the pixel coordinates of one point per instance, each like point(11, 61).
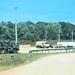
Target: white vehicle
point(46, 45)
point(42, 44)
point(65, 44)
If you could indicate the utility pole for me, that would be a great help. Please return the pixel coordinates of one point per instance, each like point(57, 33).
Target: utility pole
point(59, 34)
point(46, 34)
point(15, 8)
point(72, 35)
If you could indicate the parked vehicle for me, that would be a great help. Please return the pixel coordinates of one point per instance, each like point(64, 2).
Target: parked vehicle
point(42, 44)
point(8, 47)
point(65, 45)
point(46, 45)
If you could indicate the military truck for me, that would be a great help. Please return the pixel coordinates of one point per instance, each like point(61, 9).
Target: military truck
point(65, 45)
point(8, 47)
point(42, 44)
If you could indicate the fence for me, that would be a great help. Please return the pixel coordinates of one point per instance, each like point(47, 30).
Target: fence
point(51, 49)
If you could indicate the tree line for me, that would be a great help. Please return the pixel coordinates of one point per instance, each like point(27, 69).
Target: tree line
point(37, 31)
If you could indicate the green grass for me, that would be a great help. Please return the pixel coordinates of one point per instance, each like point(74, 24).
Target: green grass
point(23, 42)
point(21, 59)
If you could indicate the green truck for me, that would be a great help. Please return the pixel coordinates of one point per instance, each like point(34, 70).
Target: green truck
point(8, 47)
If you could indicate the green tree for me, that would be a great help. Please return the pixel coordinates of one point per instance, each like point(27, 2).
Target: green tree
point(66, 29)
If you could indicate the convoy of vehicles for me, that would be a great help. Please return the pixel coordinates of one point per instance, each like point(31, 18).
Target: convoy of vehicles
point(44, 44)
point(12, 47)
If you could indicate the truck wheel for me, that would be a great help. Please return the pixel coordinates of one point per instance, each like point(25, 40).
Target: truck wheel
point(15, 51)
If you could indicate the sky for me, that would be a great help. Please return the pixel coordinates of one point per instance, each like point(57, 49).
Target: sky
point(38, 10)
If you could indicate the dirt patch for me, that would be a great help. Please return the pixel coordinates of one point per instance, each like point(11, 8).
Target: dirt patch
point(25, 46)
point(26, 49)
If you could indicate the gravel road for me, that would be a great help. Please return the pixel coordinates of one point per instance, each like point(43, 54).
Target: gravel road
point(62, 64)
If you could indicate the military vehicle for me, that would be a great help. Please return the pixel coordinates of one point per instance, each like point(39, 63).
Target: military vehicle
point(8, 47)
point(42, 44)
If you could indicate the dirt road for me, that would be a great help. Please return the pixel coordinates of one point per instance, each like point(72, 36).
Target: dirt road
point(62, 64)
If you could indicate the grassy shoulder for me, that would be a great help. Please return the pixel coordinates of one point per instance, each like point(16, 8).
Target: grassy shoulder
point(20, 59)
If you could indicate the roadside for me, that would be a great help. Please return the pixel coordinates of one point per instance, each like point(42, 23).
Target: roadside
point(26, 49)
point(62, 64)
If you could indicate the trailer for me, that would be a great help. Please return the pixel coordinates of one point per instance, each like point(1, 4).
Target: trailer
point(65, 45)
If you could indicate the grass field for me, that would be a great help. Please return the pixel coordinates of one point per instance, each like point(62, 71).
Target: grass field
point(23, 42)
point(20, 59)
